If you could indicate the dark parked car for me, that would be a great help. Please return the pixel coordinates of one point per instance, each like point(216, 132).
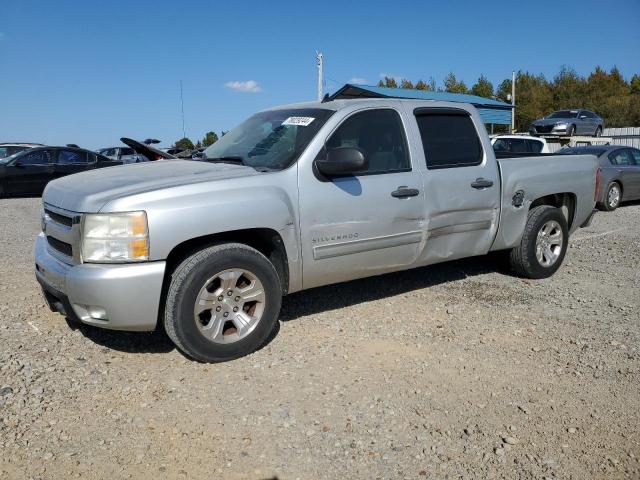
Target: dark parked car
point(620, 177)
point(569, 123)
point(29, 171)
point(8, 149)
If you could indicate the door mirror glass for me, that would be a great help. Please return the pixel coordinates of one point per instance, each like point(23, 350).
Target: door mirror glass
point(342, 161)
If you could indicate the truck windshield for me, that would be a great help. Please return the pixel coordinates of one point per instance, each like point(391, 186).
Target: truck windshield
point(270, 140)
point(564, 114)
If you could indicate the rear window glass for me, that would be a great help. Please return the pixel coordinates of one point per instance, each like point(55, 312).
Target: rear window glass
point(71, 156)
point(449, 140)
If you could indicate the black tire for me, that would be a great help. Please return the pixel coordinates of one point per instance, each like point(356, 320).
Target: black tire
point(609, 205)
point(187, 281)
point(598, 132)
point(572, 131)
point(523, 257)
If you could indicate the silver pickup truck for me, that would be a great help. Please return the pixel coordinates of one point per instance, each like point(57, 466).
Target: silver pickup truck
point(293, 198)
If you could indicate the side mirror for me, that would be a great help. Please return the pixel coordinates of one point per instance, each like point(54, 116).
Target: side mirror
point(18, 164)
point(342, 161)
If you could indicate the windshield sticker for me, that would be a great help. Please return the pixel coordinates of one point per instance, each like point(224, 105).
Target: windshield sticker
point(301, 121)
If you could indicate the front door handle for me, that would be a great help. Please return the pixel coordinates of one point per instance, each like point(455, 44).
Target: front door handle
point(481, 183)
point(404, 192)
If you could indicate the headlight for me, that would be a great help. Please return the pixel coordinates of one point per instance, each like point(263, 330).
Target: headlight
point(561, 124)
point(115, 237)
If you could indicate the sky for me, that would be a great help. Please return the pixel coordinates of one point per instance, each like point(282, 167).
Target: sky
point(90, 72)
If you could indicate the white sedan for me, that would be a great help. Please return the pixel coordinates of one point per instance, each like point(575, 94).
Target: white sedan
point(519, 144)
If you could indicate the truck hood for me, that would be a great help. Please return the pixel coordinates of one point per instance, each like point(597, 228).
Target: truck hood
point(88, 192)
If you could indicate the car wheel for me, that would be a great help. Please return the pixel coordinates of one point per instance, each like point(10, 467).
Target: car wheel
point(598, 132)
point(613, 197)
point(222, 303)
point(572, 130)
point(543, 244)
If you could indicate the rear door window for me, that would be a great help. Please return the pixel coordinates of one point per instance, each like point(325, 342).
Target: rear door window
point(70, 157)
point(535, 146)
point(449, 138)
point(635, 155)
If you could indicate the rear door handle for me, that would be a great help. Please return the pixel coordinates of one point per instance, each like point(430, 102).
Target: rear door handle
point(404, 192)
point(481, 183)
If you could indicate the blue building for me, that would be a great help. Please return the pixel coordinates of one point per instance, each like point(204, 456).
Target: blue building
point(492, 112)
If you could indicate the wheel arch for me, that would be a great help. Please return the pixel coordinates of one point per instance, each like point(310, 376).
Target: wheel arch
point(265, 240)
point(565, 201)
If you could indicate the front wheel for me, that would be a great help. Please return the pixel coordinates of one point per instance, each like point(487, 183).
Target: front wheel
point(543, 244)
point(572, 130)
point(222, 302)
point(598, 132)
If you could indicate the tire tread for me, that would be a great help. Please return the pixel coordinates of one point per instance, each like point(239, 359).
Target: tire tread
point(178, 278)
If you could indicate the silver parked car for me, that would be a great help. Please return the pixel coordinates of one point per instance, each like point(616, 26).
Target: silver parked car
point(122, 154)
point(620, 173)
point(569, 123)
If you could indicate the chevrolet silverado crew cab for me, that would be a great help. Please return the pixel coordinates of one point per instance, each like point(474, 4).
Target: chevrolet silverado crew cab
point(297, 197)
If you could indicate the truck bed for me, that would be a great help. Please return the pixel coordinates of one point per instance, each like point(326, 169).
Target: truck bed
point(538, 176)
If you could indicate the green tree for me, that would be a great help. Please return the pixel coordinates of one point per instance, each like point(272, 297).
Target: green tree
point(503, 92)
point(635, 84)
point(184, 143)
point(404, 83)
point(420, 85)
point(388, 82)
point(209, 139)
point(569, 89)
point(452, 85)
point(483, 88)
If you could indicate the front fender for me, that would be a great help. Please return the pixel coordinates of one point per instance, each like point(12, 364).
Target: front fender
point(182, 213)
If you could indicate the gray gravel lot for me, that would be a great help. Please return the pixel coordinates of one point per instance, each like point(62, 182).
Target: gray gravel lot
point(453, 371)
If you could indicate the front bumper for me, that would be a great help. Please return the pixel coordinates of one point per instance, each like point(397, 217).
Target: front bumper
point(555, 131)
point(117, 297)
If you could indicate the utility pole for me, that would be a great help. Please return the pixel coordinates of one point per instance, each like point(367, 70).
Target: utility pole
point(319, 61)
point(513, 101)
point(184, 134)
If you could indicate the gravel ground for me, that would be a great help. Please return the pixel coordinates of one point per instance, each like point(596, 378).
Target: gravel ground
point(453, 371)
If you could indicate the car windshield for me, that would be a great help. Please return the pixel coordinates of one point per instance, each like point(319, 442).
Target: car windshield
point(564, 114)
point(270, 140)
point(581, 151)
point(9, 150)
point(6, 160)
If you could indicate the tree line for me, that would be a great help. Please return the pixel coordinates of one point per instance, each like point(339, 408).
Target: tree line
point(608, 94)
point(209, 139)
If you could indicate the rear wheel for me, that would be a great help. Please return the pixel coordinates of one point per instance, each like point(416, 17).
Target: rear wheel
point(222, 303)
point(613, 197)
point(543, 244)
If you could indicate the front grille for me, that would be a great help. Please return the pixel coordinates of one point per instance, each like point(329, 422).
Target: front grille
point(59, 246)
point(544, 128)
point(61, 219)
